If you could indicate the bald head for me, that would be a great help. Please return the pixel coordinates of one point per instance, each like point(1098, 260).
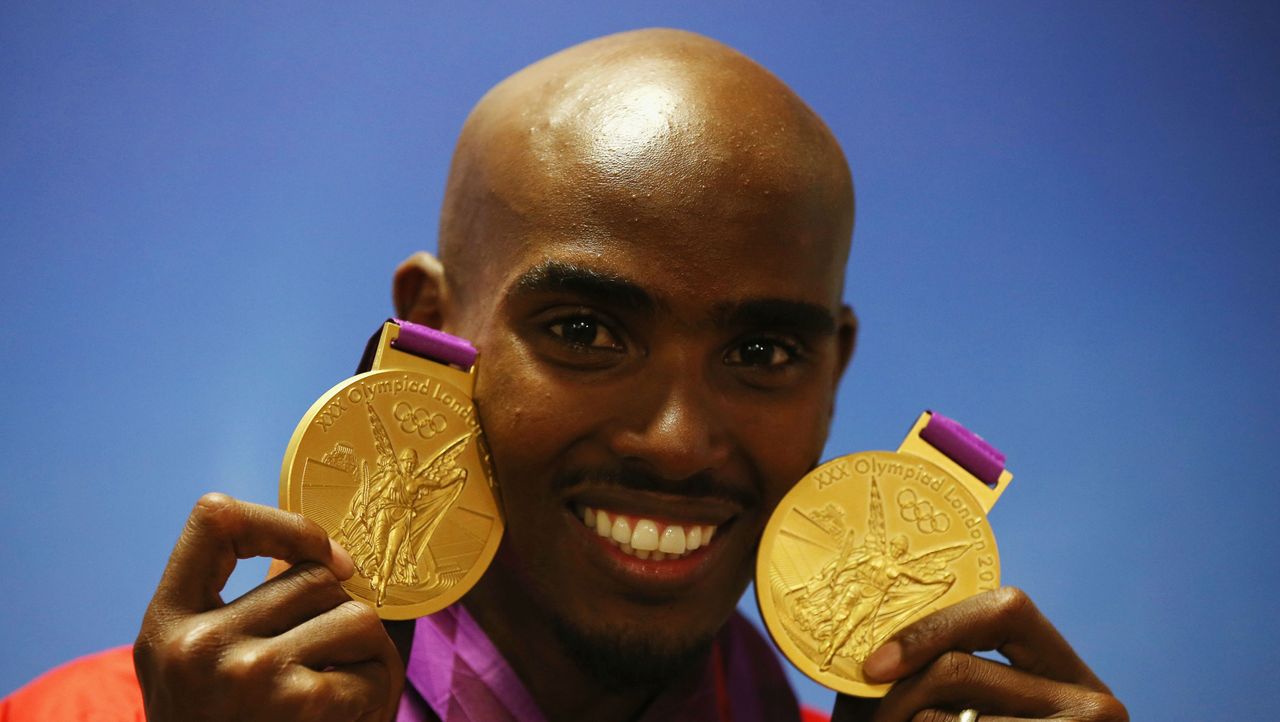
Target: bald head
point(645, 238)
point(652, 131)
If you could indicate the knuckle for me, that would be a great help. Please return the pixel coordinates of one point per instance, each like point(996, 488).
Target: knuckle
point(1104, 707)
point(144, 655)
point(317, 583)
point(353, 699)
point(192, 642)
point(250, 662)
point(313, 697)
point(307, 527)
point(932, 715)
point(315, 575)
point(303, 692)
point(360, 617)
point(188, 652)
point(144, 645)
point(312, 536)
point(218, 512)
point(1012, 603)
point(954, 668)
point(919, 633)
point(213, 502)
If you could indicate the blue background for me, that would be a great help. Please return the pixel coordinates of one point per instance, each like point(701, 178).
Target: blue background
point(1066, 239)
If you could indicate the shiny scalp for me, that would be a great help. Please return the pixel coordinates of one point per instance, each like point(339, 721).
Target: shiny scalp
point(640, 127)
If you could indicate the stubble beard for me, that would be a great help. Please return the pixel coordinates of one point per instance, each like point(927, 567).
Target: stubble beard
point(620, 656)
point(617, 658)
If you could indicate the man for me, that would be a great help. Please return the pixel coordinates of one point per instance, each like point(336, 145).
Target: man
point(645, 236)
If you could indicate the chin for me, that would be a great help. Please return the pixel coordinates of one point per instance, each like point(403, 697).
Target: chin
point(620, 656)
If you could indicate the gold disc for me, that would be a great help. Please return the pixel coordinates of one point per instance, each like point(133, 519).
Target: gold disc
point(861, 547)
point(393, 465)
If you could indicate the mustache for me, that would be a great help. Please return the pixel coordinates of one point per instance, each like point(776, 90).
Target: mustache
point(703, 484)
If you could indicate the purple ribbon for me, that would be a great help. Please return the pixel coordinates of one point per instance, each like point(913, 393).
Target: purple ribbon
point(436, 345)
point(964, 447)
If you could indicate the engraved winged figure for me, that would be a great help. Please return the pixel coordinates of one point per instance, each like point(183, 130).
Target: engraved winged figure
point(396, 508)
point(857, 600)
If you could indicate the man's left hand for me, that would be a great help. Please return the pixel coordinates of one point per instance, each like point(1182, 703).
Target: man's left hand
point(937, 675)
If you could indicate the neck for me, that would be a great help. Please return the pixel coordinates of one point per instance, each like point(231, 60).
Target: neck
point(554, 677)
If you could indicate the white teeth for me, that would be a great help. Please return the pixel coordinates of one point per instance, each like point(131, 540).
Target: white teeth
point(645, 537)
point(693, 538)
point(648, 540)
point(672, 540)
point(621, 530)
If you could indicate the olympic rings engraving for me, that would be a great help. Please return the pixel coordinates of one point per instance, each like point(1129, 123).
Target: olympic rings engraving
point(418, 420)
point(921, 513)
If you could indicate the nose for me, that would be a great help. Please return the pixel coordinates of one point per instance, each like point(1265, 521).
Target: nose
point(674, 426)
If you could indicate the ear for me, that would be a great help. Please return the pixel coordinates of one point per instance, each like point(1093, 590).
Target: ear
point(419, 292)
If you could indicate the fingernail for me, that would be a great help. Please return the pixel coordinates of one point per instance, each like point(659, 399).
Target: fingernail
point(342, 564)
point(882, 665)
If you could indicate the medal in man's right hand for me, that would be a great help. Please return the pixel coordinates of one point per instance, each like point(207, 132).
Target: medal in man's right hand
point(392, 464)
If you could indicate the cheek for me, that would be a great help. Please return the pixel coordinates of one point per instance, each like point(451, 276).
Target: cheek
point(786, 441)
point(530, 422)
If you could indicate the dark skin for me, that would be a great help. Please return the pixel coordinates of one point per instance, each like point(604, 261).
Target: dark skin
point(645, 237)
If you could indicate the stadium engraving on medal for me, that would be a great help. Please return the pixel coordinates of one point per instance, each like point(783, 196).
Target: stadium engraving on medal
point(861, 547)
point(392, 464)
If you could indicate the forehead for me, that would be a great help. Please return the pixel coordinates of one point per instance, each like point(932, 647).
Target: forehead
point(673, 172)
point(695, 267)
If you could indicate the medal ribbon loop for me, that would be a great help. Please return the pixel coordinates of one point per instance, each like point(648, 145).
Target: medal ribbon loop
point(970, 451)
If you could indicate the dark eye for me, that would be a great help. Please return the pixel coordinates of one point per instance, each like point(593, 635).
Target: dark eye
point(584, 332)
point(761, 353)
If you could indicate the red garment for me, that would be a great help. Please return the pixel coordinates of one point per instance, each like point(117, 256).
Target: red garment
point(99, 687)
point(103, 687)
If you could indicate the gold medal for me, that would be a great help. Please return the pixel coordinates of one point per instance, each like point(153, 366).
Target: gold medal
point(868, 543)
point(393, 465)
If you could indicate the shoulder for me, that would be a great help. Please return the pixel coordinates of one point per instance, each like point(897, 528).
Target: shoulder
point(99, 687)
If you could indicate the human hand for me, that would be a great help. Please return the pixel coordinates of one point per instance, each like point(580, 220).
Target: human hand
point(937, 675)
point(295, 647)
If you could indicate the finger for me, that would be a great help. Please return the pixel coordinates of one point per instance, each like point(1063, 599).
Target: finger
point(283, 602)
point(350, 633)
point(861, 709)
point(357, 693)
point(958, 680)
point(1004, 620)
point(938, 715)
point(222, 530)
point(379, 688)
point(349, 640)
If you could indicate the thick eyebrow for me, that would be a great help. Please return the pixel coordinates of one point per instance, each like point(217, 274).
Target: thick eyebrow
point(777, 313)
point(599, 286)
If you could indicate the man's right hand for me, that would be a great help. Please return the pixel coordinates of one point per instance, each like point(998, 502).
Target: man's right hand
point(296, 647)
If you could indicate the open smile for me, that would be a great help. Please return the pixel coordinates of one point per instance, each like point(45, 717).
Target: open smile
point(653, 543)
point(647, 538)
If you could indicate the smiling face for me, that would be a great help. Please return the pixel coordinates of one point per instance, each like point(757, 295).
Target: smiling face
point(651, 268)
